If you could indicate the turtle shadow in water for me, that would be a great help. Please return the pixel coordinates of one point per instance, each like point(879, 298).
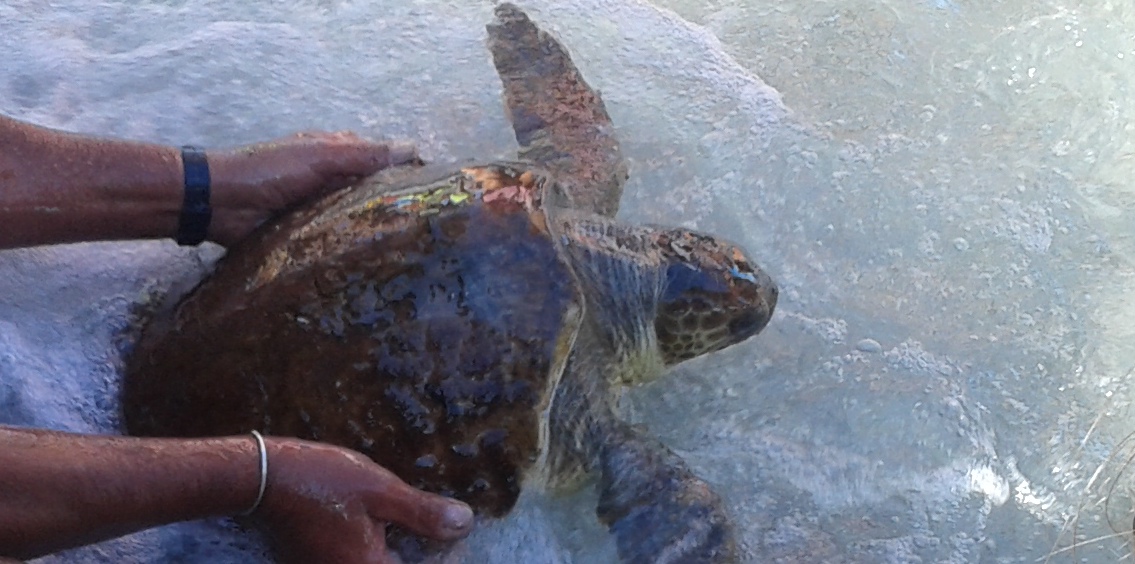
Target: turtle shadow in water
point(470, 327)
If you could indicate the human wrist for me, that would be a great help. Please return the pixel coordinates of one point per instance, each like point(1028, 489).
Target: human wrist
point(197, 478)
point(278, 500)
point(262, 467)
point(234, 203)
point(235, 483)
point(237, 203)
point(196, 211)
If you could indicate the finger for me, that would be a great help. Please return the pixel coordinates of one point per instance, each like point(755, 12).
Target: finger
point(401, 152)
point(424, 513)
point(363, 158)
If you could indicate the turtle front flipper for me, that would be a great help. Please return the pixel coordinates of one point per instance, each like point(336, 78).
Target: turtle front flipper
point(655, 507)
point(560, 122)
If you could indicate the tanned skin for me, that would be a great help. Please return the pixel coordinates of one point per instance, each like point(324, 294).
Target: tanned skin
point(61, 490)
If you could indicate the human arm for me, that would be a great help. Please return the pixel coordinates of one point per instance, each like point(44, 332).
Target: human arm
point(59, 187)
point(322, 503)
point(59, 490)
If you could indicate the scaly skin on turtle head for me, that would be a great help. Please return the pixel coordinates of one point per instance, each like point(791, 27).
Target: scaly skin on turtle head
point(714, 296)
point(560, 122)
point(659, 296)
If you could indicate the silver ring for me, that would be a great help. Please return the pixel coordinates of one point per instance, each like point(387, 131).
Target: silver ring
point(263, 471)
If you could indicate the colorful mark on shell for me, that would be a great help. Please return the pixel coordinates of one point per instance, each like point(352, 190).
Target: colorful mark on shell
point(488, 184)
point(736, 273)
point(421, 202)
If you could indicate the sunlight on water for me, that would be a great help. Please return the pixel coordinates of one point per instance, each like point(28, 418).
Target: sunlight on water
point(941, 188)
point(997, 139)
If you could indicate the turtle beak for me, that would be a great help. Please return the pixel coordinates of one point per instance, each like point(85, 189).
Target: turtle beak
point(757, 295)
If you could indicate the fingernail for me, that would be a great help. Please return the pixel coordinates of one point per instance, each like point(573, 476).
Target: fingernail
point(402, 152)
point(457, 518)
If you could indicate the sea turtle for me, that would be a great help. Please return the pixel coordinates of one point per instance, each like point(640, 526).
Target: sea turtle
point(470, 327)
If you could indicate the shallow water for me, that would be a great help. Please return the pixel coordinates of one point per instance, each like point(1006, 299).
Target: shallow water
point(940, 188)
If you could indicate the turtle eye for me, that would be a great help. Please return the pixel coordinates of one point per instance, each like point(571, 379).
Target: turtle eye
point(689, 321)
point(711, 303)
point(685, 282)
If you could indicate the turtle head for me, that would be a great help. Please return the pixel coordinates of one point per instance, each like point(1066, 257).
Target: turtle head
point(713, 296)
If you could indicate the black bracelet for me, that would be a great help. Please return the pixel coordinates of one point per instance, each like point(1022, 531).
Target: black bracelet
point(195, 211)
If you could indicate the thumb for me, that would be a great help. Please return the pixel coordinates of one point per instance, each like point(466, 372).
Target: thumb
point(426, 514)
point(349, 155)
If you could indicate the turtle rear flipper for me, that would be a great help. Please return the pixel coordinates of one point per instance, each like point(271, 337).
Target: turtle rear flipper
point(655, 507)
point(559, 121)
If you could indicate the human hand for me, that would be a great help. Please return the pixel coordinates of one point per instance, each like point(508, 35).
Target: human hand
point(329, 504)
point(253, 183)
